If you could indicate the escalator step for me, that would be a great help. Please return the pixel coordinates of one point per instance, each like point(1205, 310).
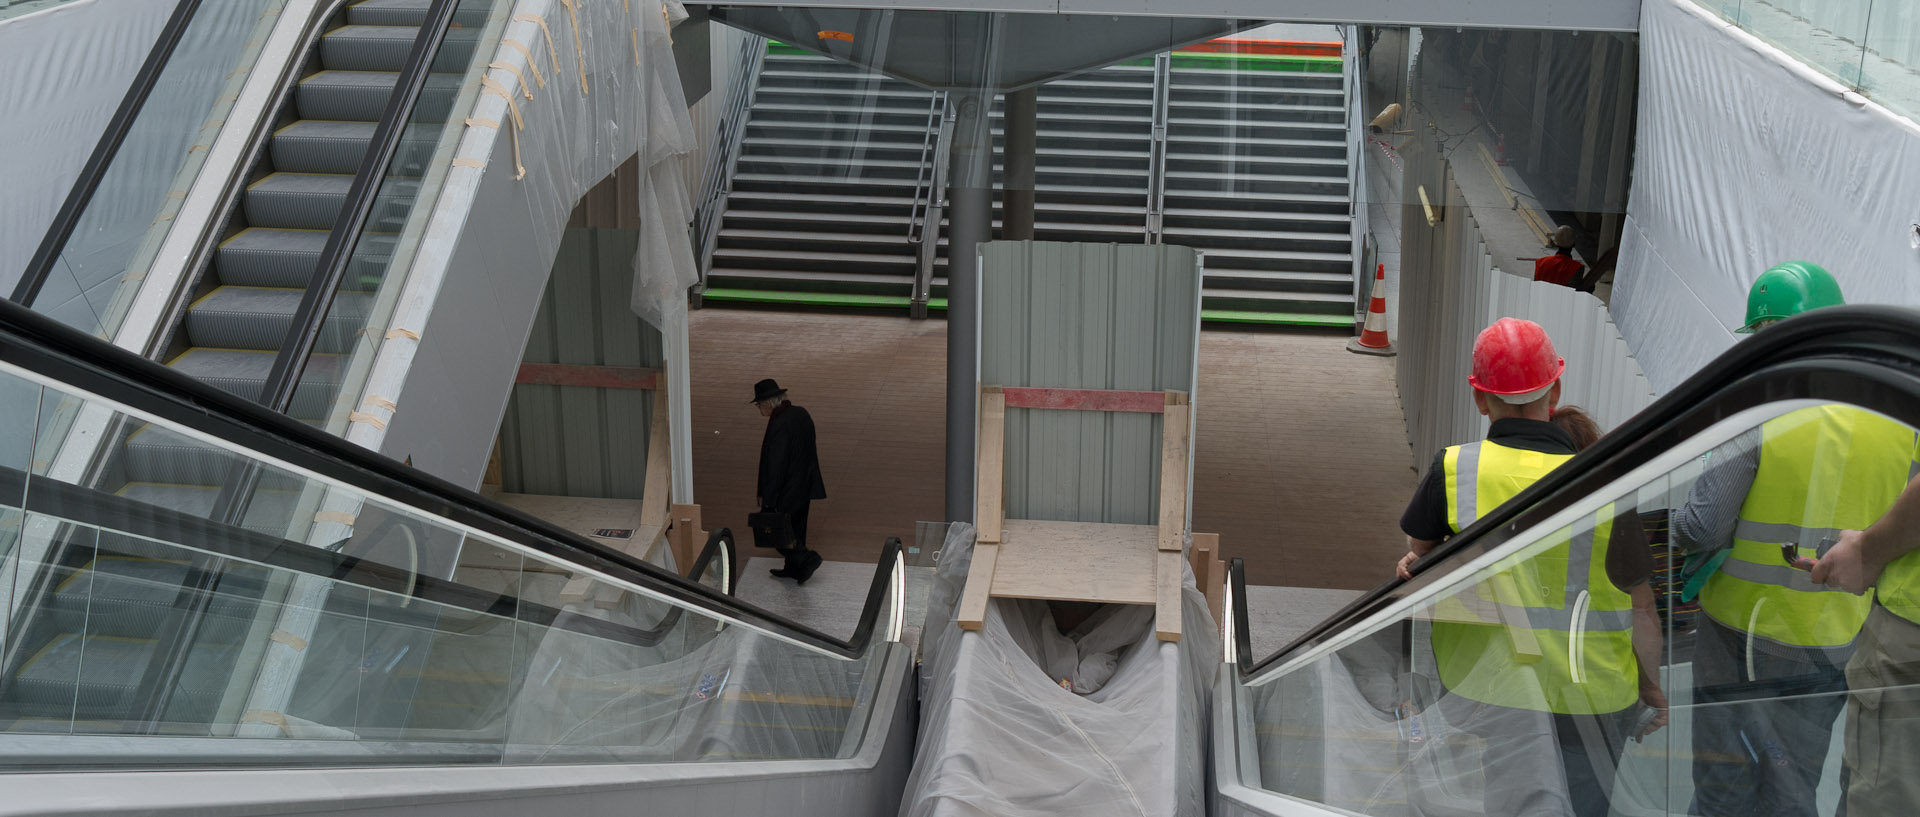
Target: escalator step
point(317, 146)
point(410, 13)
point(263, 257)
point(305, 201)
point(235, 317)
point(361, 96)
point(243, 373)
point(385, 48)
point(153, 454)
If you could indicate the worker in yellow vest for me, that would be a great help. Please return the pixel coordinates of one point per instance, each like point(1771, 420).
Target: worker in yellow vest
point(1543, 660)
point(1883, 709)
point(1770, 653)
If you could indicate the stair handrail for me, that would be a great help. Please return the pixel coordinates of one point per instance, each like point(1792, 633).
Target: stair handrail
point(929, 249)
point(89, 366)
point(1865, 355)
point(1157, 164)
point(723, 154)
point(929, 137)
point(54, 242)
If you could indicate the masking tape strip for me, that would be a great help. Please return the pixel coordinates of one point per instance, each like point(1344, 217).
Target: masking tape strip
point(336, 517)
point(296, 642)
point(405, 333)
point(626, 7)
point(552, 52)
point(482, 123)
point(636, 48)
point(377, 401)
point(525, 89)
point(363, 417)
point(464, 162)
point(267, 717)
point(579, 48)
point(490, 85)
point(531, 64)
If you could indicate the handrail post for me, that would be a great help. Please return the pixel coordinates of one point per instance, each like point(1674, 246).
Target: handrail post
point(1357, 212)
point(1157, 165)
point(928, 241)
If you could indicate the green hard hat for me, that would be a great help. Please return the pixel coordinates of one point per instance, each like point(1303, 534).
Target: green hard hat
point(1788, 290)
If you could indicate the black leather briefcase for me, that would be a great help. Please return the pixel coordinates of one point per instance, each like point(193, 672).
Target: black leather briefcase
point(771, 530)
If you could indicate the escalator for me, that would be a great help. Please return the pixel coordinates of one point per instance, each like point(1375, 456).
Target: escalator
point(670, 685)
point(135, 636)
point(1470, 685)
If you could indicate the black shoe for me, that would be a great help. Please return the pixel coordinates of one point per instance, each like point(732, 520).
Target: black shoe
point(781, 573)
point(806, 570)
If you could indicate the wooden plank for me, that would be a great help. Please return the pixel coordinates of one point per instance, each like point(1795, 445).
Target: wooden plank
point(990, 502)
point(1141, 402)
point(1205, 547)
point(1076, 561)
point(688, 535)
point(973, 598)
point(658, 493)
point(1217, 591)
point(573, 374)
point(1166, 606)
point(1173, 474)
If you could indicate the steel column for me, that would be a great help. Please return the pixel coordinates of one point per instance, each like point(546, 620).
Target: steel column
point(1016, 197)
point(970, 222)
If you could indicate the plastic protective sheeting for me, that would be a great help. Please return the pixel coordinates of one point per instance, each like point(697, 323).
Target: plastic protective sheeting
point(67, 69)
point(1747, 158)
point(1001, 736)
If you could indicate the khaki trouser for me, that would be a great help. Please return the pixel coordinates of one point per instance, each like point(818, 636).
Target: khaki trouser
point(1883, 718)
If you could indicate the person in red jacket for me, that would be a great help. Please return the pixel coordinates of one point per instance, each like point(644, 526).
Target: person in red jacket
point(1559, 268)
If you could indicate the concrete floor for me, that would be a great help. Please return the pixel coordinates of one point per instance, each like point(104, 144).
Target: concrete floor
point(1301, 461)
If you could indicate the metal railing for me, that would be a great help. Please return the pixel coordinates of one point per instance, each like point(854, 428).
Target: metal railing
point(929, 200)
point(1157, 164)
point(1357, 213)
point(723, 156)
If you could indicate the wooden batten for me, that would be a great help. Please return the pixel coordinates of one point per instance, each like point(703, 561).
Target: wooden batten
point(1174, 445)
point(973, 600)
point(1166, 607)
point(990, 501)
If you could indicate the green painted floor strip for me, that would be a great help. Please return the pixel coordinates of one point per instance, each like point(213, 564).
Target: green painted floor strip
point(1274, 318)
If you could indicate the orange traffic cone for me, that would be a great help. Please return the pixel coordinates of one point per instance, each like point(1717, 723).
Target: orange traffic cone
point(1373, 335)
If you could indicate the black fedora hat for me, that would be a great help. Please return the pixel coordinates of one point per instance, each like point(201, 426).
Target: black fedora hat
point(766, 390)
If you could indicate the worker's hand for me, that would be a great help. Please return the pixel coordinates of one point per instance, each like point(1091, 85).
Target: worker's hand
point(1655, 700)
point(1847, 565)
point(1404, 569)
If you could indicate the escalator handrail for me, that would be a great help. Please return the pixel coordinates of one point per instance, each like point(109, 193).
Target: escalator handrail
point(309, 319)
point(61, 354)
point(54, 242)
point(1782, 363)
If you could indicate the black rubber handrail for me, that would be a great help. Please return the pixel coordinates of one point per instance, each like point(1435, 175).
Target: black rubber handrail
point(303, 335)
point(60, 354)
point(54, 243)
point(1863, 355)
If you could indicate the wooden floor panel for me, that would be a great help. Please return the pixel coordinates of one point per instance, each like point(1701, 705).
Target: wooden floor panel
point(1301, 466)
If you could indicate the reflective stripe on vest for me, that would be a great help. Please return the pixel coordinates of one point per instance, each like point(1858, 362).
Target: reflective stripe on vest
point(1821, 470)
point(1535, 635)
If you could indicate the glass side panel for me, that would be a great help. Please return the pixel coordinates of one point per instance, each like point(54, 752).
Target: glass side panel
point(1873, 46)
point(1576, 671)
point(99, 270)
point(403, 202)
point(258, 614)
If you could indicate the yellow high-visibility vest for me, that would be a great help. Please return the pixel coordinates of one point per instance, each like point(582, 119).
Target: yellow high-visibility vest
point(1822, 470)
point(1548, 632)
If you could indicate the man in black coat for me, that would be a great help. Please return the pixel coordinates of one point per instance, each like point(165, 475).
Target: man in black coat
point(789, 473)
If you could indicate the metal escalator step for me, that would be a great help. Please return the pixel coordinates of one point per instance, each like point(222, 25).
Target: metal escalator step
point(302, 201)
point(264, 257)
point(132, 598)
point(317, 146)
point(361, 96)
point(154, 454)
point(242, 373)
point(385, 48)
point(410, 13)
point(89, 672)
point(236, 317)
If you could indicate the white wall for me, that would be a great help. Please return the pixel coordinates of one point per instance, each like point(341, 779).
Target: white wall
point(1747, 158)
point(67, 68)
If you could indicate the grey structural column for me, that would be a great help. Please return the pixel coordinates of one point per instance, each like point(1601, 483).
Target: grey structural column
point(1016, 196)
point(969, 222)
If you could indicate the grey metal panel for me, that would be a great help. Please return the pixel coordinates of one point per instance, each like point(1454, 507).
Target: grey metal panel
point(1621, 15)
point(575, 440)
point(1089, 316)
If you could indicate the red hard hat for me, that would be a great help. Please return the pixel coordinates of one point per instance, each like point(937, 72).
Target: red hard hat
point(1514, 357)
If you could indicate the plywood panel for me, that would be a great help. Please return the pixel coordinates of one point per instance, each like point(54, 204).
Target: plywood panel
point(1077, 561)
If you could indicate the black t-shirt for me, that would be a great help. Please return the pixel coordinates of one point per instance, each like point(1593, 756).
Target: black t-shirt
point(1629, 561)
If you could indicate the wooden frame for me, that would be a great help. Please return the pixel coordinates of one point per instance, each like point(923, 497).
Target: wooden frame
point(654, 511)
point(1079, 561)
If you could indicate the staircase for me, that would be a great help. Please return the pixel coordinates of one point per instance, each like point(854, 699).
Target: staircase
point(115, 619)
point(825, 187)
point(836, 159)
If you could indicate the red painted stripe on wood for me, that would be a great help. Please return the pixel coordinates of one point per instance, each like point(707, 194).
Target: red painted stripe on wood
point(1145, 402)
point(573, 374)
point(1290, 48)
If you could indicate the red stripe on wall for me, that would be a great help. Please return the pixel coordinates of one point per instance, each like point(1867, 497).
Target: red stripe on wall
point(1145, 402)
point(573, 374)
